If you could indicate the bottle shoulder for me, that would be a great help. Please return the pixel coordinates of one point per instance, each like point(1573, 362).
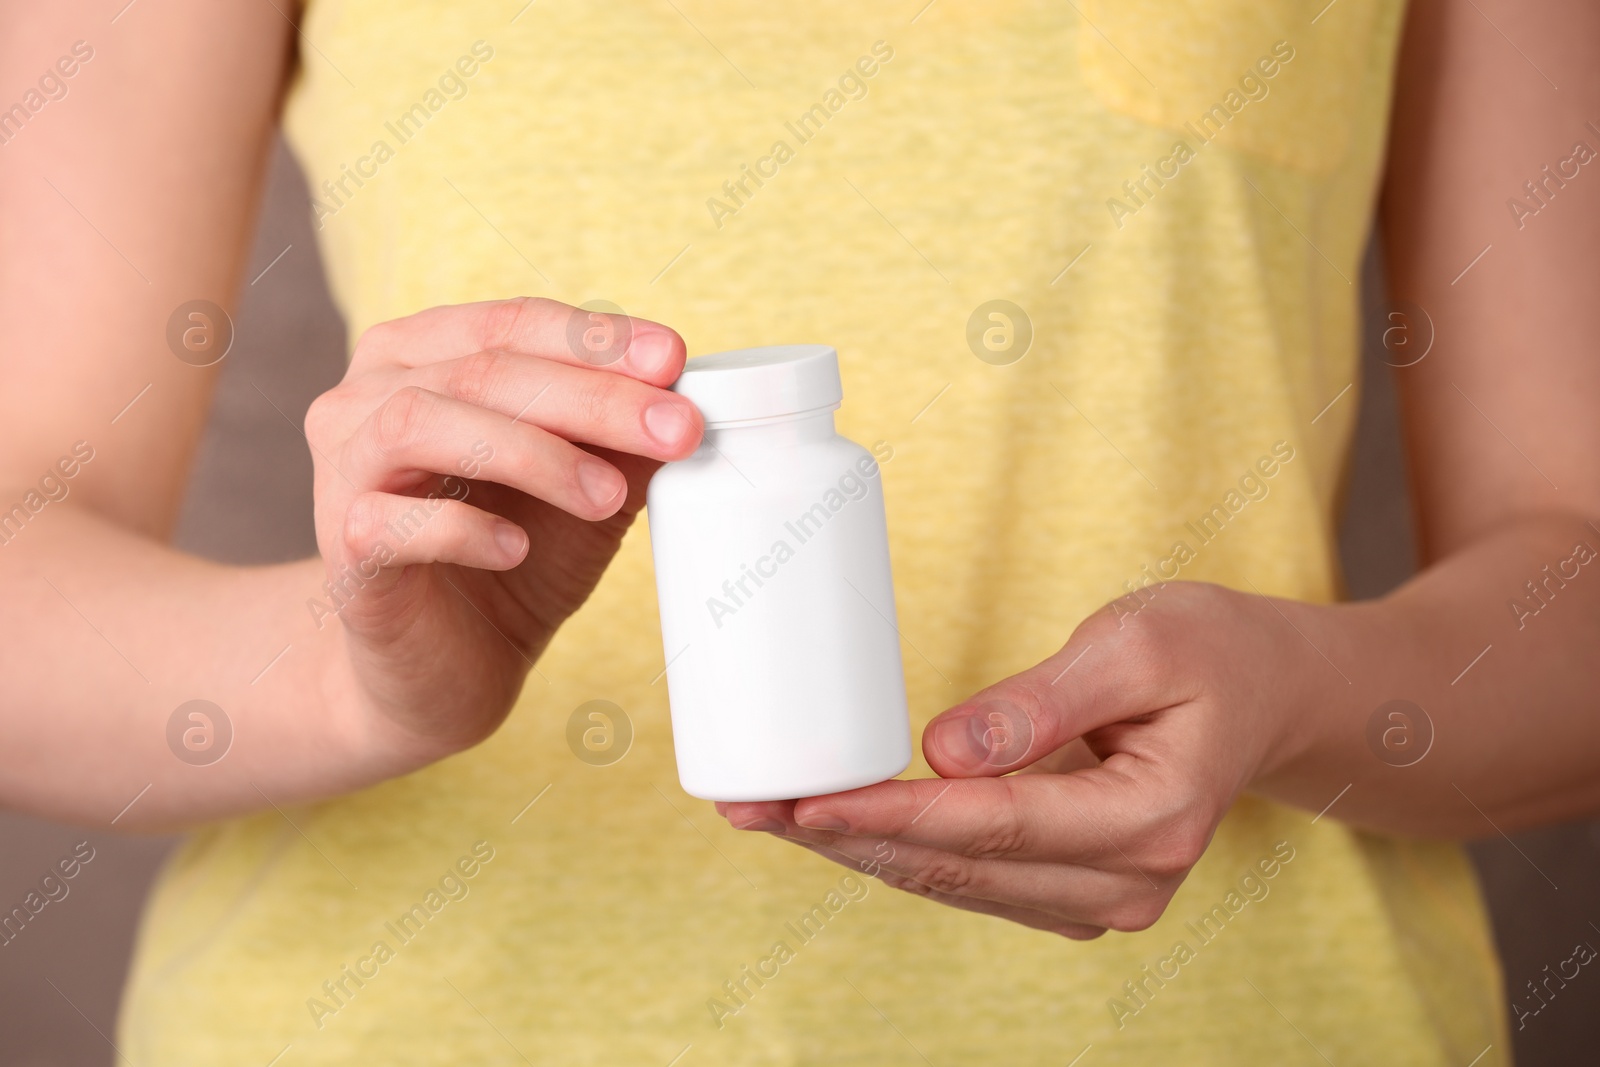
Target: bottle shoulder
point(769, 471)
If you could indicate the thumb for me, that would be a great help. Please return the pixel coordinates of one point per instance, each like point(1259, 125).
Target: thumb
point(1024, 718)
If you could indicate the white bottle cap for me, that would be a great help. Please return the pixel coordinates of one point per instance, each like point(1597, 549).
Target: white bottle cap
point(760, 383)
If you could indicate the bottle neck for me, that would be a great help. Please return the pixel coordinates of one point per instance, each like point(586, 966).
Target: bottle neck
point(783, 431)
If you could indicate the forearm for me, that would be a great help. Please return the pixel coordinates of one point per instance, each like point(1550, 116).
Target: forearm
point(1509, 692)
point(107, 634)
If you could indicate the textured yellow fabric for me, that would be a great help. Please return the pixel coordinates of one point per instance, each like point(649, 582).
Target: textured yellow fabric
point(1182, 329)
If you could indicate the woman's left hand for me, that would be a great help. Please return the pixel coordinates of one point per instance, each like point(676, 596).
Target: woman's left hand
point(1133, 742)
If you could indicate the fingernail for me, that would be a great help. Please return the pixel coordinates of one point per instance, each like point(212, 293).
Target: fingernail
point(666, 423)
point(599, 481)
point(511, 539)
point(821, 820)
point(961, 739)
point(767, 826)
point(650, 351)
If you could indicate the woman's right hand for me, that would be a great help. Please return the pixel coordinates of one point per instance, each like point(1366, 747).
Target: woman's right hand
point(475, 472)
point(110, 632)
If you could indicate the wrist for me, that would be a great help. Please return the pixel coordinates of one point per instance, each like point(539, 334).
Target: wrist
point(372, 743)
point(1316, 695)
point(1349, 661)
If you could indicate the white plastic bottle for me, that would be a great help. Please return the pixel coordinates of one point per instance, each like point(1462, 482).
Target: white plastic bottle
point(772, 570)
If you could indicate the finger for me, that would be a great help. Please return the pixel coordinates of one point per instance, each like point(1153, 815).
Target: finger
point(1104, 674)
point(1072, 818)
point(382, 530)
point(415, 433)
point(577, 403)
point(767, 815)
point(1075, 755)
point(1069, 891)
point(1038, 920)
point(532, 326)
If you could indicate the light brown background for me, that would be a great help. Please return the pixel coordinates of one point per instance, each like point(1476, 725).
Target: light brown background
point(250, 502)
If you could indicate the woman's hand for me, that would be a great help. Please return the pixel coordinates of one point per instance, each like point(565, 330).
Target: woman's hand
point(1133, 741)
point(475, 473)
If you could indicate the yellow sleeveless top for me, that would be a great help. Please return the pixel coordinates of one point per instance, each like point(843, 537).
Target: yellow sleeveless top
point(1173, 200)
